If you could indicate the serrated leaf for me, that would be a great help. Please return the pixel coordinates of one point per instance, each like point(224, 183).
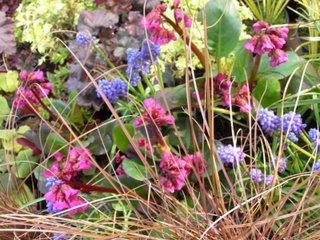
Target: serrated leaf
point(7, 39)
point(25, 163)
point(9, 81)
point(223, 27)
point(97, 18)
point(119, 137)
point(267, 91)
point(134, 170)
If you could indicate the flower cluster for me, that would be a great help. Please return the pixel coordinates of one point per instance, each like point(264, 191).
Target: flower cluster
point(154, 114)
point(230, 155)
point(84, 38)
point(291, 123)
point(34, 87)
point(269, 40)
point(154, 23)
point(242, 98)
point(269, 122)
point(280, 163)
point(60, 195)
point(175, 170)
point(139, 61)
point(314, 136)
point(257, 176)
point(113, 89)
point(316, 167)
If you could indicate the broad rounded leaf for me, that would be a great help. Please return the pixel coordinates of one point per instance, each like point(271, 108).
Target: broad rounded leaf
point(119, 137)
point(7, 40)
point(134, 170)
point(5, 110)
point(267, 91)
point(25, 163)
point(9, 81)
point(223, 27)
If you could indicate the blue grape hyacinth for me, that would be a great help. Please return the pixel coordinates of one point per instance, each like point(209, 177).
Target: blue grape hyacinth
point(280, 163)
point(139, 61)
point(314, 136)
point(83, 38)
point(268, 121)
point(293, 125)
point(256, 175)
point(316, 167)
point(113, 89)
point(230, 155)
point(51, 181)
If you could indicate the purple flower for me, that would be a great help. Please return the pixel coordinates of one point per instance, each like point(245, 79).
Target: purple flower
point(278, 57)
point(268, 121)
point(61, 236)
point(149, 51)
point(316, 167)
point(280, 163)
point(230, 155)
point(314, 136)
point(256, 175)
point(268, 180)
point(84, 38)
point(113, 89)
point(292, 125)
point(51, 181)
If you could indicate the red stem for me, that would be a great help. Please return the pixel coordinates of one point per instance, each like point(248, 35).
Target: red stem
point(194, 48)
point(90, 188)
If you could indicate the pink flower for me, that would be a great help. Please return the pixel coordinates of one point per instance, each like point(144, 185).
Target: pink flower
point(260, 25)
point(196, 163)
point(173, 172)
point(181, 15)
point(144, 143)
point(243, 98)
point(176, 3)
point(162, 36)
point(79, 157)
point(259, 44)
point(61, 196)
point(154, 114)
point(222, 85)
point(277, 57)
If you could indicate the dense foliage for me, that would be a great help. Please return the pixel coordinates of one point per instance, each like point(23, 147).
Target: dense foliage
point(159, 119)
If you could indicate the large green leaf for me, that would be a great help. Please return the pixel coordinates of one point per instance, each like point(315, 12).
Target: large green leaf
point(54, 142)
point(25, 163)
point(223, 27)
point(282, 70)
point(267, 91)
point(241, 63)
point(134, 170)
point(100, 139)
point(119, 137)
point(9, 81)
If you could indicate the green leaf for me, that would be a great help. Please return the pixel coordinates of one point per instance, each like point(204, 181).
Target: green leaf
point(120, 139)
point(25, 163)
point(135, 170)
point(282, 70)
point(5, 110)
point(267, 91)
point(9, 81)
point(223, 27)
point(54, 142)
point(241, 63)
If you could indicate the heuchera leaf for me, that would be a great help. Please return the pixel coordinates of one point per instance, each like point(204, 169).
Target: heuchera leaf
point(5, 110)
point(97, 18)
point(9, 81)
point(223, 27)
point(7, 40)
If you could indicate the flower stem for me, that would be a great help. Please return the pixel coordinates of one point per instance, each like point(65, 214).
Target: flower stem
point(254, 71)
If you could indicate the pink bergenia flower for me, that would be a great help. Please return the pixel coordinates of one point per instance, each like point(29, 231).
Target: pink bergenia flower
point(144, 143)
point(162, 36)
point(78, 160)
point(196, 163)
point(243, 98)
point(61, 196)
point(173, 172)
point(33, 85)
point(154, 114)
point(277, 57)
point(269, 40)
point(222, 85)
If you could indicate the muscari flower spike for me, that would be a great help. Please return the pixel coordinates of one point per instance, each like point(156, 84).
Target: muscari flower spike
point(84, 38)
point(314, 136)
point(282, 163)
point(268, 121)
point(230, 155)
point(316, 167)
point(292, 125)
point(113, 89)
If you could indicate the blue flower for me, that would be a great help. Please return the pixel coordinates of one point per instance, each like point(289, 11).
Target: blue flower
point(314, 136)
point(61, 236)
point(268, 121)
point(229, 154)
point(83, 38)
point(316, 167)
point(139, 61)
point(51, 208)
point(282, 165)
point(113, 89)
point(51, 181)
point(256, 175)
point(268, 180)
point(292, 125)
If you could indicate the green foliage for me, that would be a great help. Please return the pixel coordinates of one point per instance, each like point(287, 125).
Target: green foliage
point(119, 137)
point(39, 21)
point(267, 91)
point(25, 162)
point(5, 110)
point(8, 138)
point(223, 27)
point(9, 81)
point(135, 170)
